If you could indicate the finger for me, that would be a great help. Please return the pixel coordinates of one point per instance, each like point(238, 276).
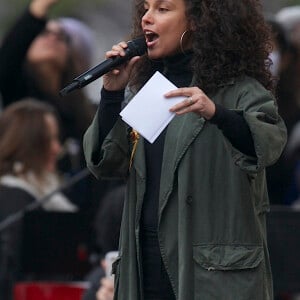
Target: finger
point(182, 105)
point(183, 110)
point(129, 66)
point(179, 92)
point(132, 62)
point(118, 49)
point(115, 72)
point(121, 47)
point(112, 53)
point(123, 44)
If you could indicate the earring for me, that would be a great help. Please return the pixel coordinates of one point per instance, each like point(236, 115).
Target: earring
point(18, 167)
point(181, 41)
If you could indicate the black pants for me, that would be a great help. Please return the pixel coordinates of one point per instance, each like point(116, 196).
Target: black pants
point(156, 283)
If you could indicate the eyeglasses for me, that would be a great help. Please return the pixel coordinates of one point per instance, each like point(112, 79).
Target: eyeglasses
point(60, 35)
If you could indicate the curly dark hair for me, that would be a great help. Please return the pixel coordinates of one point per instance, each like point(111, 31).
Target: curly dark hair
point(231, 39)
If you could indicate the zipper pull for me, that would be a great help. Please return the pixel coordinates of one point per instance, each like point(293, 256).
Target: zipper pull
point(134, 136)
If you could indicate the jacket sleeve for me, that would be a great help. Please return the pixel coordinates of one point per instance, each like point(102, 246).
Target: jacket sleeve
point(111, 161)
point(107, 148)
point(13, 52)
point(259, 109)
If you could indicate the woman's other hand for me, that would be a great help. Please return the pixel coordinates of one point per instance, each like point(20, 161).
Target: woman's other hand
point(40, 8)
point(196, 101)
point(118, 78)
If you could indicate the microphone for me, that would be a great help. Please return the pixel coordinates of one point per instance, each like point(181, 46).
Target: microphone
point(136, 47)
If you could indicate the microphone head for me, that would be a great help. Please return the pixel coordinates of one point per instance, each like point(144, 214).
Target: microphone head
point(137, 46)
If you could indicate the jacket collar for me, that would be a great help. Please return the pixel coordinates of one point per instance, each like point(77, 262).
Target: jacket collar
point(181, 132)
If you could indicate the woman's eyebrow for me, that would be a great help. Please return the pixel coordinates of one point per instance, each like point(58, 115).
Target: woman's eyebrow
point(158, 1)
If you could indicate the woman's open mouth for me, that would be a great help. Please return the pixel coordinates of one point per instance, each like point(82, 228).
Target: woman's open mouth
point(151, 37)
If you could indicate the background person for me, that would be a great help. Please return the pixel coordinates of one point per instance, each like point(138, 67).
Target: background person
point(107, 225)
point(283, 56)
point(29, 150)
point(38, 57)
point(283, 176)
point(289, 85)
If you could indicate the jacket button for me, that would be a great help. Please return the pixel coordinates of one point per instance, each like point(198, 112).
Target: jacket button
point(189, 200)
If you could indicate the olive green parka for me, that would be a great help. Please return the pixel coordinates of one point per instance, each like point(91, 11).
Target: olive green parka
point(212, 204)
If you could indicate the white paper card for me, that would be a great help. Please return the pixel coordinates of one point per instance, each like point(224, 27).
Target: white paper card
point(148, 111)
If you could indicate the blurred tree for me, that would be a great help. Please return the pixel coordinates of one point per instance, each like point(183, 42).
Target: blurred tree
point(74, 7)
point(11, 9)
point(293, 2)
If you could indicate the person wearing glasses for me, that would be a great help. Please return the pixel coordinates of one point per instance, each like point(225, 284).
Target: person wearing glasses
point(39, 56)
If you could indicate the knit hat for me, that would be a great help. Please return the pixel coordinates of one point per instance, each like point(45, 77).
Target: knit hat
point(82, 42)
point(288, 16)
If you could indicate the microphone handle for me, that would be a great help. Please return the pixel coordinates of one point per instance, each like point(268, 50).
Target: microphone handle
point(135, 47)
point(90, 75)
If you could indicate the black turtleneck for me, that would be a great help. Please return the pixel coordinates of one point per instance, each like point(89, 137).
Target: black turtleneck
point(177, 69)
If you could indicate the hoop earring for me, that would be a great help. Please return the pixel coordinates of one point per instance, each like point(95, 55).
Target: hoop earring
point(181, 41)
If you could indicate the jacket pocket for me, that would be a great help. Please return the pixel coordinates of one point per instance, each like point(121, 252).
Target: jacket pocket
point(228, 272)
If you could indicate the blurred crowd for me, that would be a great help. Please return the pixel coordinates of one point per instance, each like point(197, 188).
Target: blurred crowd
point(41, 134)
point(283, 177)
point(41, 137)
